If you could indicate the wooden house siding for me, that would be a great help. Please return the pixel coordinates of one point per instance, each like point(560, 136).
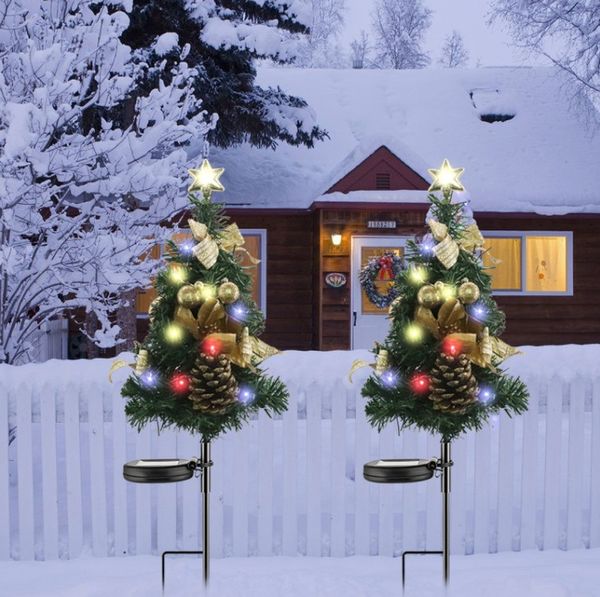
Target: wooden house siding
point(335, 303)
point(290, 248)
point(540, 320)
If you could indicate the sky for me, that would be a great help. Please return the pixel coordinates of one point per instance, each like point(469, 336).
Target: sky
point(488, 46)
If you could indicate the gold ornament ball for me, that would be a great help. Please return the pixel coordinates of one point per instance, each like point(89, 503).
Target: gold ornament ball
point(428, 296)
point(468, 292)
point(189, 296)
point(228, 293)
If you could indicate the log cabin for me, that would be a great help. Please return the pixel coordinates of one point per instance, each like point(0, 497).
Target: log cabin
point(531, 161)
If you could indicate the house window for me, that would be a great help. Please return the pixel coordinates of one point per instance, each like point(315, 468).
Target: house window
point(534, 263)
point(255, 244)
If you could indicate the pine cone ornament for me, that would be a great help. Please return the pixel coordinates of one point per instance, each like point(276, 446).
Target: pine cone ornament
point(453, 386)
point(214, 388)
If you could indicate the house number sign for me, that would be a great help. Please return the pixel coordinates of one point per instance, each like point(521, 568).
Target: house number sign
point(381, 224)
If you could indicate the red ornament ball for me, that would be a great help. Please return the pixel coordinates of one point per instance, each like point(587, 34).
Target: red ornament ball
point(180, 383)
point(452, 347)
point(420, 383)
point(212, 347)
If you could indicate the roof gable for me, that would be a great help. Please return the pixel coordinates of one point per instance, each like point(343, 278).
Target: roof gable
point(544, 159)
point(382, 170)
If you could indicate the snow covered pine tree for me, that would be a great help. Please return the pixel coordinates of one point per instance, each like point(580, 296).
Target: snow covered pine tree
point(438, 369)
point(197, 368)
point(223, 39)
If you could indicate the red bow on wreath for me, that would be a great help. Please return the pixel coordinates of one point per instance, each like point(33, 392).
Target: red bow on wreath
point(386, 264)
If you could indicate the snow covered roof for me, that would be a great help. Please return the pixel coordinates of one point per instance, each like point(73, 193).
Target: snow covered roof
point(542, 158)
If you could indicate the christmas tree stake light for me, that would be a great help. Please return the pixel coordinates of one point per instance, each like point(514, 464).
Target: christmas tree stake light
point(246, 395)
point(238, 311)
point(186, 248)
point(178, 274)
point(447, 291)
point(180, 383)
point(389, 378)
point(486, 394)
point(413, 333)
point(173, 333)
point(420, 383)
point(212, 347)
point(208, 291)
point(149, 378)
point(452, 346)
point(478, 311)
point(418, 275)
point(426, 248)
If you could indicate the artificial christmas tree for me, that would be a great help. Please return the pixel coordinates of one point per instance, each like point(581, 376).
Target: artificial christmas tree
point(197, 369)
point(439, 367)
point(443, 352)
point(203, 316)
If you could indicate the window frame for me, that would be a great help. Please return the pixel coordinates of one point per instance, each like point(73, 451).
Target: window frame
point(523, 234)
point(262, 233)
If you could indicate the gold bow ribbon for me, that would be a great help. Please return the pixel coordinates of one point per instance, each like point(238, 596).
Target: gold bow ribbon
point(447, 249)
point(471, 238)
point(382, 362)
point(231, 240)
point(212, 322)
point(453, 322)
point(207, 250)
point(140, 365)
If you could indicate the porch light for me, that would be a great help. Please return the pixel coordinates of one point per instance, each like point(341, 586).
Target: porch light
point(336, 239)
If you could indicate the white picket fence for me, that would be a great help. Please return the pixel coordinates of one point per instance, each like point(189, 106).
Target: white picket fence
point(293, 485)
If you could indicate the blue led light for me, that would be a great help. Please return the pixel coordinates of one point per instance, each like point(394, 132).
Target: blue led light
point(426, 248)
point(186, 247)
point(389, 378)
point(486, 394)
point(149, 378)
point(478, 311)
point(238, 311)
point(246, 395)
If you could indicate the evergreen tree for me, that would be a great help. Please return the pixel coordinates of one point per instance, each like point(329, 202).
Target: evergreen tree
point(197, 367)
point(439, 367)
point(222, 39)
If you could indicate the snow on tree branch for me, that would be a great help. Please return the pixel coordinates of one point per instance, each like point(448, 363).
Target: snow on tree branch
point(81, 197)
point(399, 27)
point(566, 32)
point(454, 53)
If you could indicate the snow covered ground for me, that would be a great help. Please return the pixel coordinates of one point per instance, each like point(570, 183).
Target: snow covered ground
point(532, 573)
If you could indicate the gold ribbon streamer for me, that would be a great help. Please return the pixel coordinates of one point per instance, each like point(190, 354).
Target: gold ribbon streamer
point(471, 238)
point(447, 249)
point(206, 251)
point(231, 240)
point(382, 362)
point(118, 364)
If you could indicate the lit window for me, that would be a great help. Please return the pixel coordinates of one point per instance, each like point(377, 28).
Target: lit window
point(535, 263)
point(255, 244)
point(504, 256)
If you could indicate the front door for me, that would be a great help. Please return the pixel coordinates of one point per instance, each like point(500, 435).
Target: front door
point(369, 322)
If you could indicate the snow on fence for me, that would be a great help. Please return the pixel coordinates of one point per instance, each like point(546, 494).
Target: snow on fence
point(292, 485)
